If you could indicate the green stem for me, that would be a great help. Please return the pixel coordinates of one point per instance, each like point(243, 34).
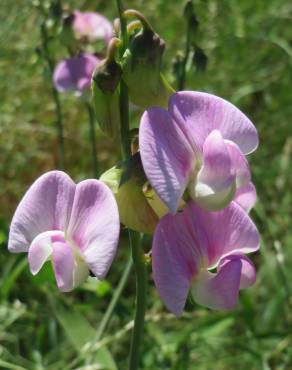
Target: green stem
point(92, 139)
point(56, 98)
point(182, 77)
point(141, 288)
point(124, 112)
point(134, 237)
point(124, 34)
point(118, 291)
point(124, 95)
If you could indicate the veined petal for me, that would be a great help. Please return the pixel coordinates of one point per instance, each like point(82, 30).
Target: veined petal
point(187, 244)
point(239, 164)
point(173, 261)
point(198, 114)
point(45, 206)
point(214, 186)
point(94, 225)
point(41, 249)
point(218, 291)
point(246, 197)
point(223, 232)
point(248, 271)
point(166, 156)
point(75, 73)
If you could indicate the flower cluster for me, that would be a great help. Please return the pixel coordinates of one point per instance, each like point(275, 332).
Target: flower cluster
point(187, 181)
point(74, 73)
point(194, 153)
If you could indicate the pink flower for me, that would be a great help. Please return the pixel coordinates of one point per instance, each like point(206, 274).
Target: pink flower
point(92, 26)
point(199, 145)
point(186, 246)
point(77, 226)
point(75, 73)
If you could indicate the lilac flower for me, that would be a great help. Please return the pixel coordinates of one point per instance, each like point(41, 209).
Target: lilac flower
point(91, 27)
point(77, 226)
point(75, 73)
point(189, 244)
point(198, 145)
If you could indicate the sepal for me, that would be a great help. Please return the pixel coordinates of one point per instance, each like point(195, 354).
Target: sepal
point(126, 182)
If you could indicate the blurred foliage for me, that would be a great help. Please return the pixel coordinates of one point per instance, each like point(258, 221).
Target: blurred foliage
point(248, 45)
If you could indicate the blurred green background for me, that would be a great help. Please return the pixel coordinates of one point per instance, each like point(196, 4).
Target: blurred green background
point(248, 44)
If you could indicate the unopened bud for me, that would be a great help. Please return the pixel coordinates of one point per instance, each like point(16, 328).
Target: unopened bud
point(126, 182)
point(142, 66)
point(105, 90)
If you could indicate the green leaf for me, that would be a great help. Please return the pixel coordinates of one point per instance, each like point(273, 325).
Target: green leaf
point(80, 332)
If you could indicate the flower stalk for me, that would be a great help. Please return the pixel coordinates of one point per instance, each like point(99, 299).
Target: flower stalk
point(134, 237)
point(92, 139)
point(56, 97)
point(141, 290)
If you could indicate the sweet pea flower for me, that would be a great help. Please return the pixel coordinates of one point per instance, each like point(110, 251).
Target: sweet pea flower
point(90, 26)
point(187, 245)
point(76, 226)
point(74, 74)
point(199, 145)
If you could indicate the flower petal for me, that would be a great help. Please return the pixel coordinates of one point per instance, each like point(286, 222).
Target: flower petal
point(75, 73)
point(223, 232)
point(239, 164)
point(246, 197)
point(199, 113)
point(218, 291)
point(248, 271)
point(41, 249)
point(46, 206)
point(194, 240)
point(214, 186)
point(65, 267)
point(175, 260)
point(94, 225)
point(92, 26)
point(166, 156)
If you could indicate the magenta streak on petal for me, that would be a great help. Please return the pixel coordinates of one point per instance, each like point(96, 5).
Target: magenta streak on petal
point(187, 244)
point(223, 232)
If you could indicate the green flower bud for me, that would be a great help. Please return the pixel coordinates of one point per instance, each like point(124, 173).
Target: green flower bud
point(142, 67)
point(126, 182)
point(105, 91)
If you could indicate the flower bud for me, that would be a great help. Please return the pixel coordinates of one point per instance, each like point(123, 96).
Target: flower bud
point(105, 91)
point(142, 67)
point(126, 182)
